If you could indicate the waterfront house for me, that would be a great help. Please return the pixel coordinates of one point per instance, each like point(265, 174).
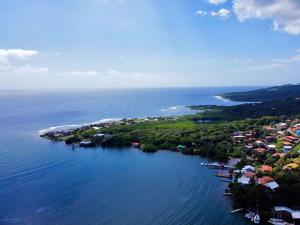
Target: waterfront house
point(287, 148)
point(136, 144)
point(248, 168)
point(99, 135)
point(272, 185)
point(264, 180)
point(86, 144)
point(181, 147)
point(243, 180)
point(294, 213)
point(250, 174)
point(266, 168)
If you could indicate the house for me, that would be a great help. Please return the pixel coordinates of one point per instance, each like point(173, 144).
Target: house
point(238, 133)
point(294, 213)
point(248, 168)
point(278, 155)
point(264, 180)
point(250, 174)
point(280, 133)
point(270, 138)
point(291, 166)
point(271, 147)
point(243, 180)
point(268, 128)
point(286, 143)
point(259, 143)
point(249, 147)
point(99, 135)
point(272, 185)
point(266, 168)
point(136, 144)
point(291, 139)
point(287, 148)
point(281, 126)
point(260, 150)
point(181, 147)
point(238, 136)
point(86, 144)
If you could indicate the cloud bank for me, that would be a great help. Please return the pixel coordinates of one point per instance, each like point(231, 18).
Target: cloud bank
point(216, 2)
point(285, 14)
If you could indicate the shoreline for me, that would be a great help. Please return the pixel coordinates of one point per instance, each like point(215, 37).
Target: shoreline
point(108, 120)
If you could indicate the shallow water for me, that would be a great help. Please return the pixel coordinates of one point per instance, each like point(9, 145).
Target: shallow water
point(49, 183)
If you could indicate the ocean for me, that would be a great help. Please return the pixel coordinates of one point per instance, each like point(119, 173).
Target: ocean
point(42, 182)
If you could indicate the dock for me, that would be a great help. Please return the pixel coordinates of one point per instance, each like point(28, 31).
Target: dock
point(237, 210)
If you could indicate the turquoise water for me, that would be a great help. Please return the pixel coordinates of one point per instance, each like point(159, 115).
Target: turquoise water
point(49, 183)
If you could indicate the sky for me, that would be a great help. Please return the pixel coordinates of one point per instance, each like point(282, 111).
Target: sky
point(69, 44)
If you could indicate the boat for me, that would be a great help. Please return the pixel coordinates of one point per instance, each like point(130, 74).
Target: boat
point(256, 219)
point(249, 215)
point(276, 221)
point(237, 210)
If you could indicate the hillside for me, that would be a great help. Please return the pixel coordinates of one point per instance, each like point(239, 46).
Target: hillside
point(265, 94)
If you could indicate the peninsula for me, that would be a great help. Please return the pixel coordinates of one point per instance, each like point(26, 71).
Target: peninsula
point(264, 135)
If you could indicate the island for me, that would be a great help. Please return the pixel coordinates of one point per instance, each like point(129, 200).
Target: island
point(264, 135)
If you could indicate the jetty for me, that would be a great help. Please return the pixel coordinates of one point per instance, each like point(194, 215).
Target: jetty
point(237, 210)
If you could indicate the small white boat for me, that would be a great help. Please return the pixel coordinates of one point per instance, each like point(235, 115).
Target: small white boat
point(256, 219)
point(249, 215)
point(276, 221)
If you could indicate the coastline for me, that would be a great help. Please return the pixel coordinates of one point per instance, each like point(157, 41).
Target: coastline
point(177, 133)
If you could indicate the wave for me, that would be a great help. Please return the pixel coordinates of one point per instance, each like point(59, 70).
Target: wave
point(221, 98)
point(174, 108)
point(75, 126)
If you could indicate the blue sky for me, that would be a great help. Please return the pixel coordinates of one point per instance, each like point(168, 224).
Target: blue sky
point(148, 43)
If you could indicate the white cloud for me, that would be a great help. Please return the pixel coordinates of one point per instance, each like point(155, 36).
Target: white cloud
point(222, 13)
point(113, 72)
point(7, 55)
point(11, 61)
point(260, 67)
point(216, 2)
point(292, 59)
point(201, 13)
point(274, 64)
point(105, 2)
point(285, 14)
point(30, 69)
point(79, 73)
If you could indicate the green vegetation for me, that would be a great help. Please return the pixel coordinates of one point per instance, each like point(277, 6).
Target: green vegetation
point(265, 94)
point(288, 107)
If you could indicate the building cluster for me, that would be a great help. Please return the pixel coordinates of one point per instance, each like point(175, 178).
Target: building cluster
point(275, 140)
point(263, 148)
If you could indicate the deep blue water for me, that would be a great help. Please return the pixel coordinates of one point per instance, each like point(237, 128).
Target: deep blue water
point(49, 183)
